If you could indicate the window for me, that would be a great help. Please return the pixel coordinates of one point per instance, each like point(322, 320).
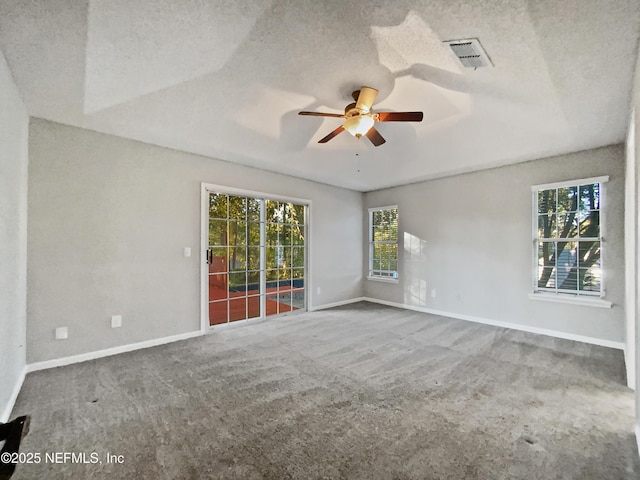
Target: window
point(383, 243)
point(568, 238)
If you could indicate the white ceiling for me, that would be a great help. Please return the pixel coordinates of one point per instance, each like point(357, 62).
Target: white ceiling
point(226, 78)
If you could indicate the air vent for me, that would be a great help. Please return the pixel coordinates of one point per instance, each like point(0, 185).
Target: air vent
point(470, 53)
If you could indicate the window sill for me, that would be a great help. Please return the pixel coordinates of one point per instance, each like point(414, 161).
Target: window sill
point(383, 279)
point(575, 300)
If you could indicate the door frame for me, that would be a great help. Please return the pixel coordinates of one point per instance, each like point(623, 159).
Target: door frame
point(205, 190)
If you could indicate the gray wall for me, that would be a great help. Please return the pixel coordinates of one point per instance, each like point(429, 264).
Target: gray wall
point(14, 124)
point(108, 221)
point(469, 237)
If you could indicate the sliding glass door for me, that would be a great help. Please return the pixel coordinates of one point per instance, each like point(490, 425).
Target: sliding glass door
point(255, 256)
point(284, 257)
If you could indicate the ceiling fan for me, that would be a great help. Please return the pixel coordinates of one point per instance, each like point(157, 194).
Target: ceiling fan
point(359, 118)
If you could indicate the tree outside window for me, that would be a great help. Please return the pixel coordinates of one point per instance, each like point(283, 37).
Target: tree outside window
point(568, 239)
point(383, 242)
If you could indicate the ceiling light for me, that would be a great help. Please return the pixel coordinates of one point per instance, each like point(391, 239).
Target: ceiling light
point(358, 125)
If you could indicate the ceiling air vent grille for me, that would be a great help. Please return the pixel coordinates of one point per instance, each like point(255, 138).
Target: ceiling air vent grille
point(470, 53)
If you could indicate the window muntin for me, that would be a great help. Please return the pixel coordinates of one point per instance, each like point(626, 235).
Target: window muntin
point(568, 238)
point(383, 242)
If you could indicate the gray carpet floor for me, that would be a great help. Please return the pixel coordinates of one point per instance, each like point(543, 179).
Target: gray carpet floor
point(358, 392)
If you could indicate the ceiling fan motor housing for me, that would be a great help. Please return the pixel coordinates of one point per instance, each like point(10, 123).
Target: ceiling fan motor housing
point(351, 110)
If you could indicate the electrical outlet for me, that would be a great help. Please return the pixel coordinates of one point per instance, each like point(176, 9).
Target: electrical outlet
point(433, 293)
point(116, 321)
point(187, 251)
point(319, 290)
point(62, 333)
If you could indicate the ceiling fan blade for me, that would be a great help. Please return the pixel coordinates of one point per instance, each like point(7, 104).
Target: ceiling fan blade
point(366, 98)
point(375, 137)
point(320, 114)
point(338, 130)
point(400, 116)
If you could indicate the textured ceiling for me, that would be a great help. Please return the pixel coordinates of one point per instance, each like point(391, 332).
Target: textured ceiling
point(226, 78)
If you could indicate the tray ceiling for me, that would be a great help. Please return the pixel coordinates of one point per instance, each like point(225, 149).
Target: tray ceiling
point(226, 79)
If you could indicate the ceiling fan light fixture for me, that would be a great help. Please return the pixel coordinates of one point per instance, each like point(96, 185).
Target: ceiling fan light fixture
point(358, 125)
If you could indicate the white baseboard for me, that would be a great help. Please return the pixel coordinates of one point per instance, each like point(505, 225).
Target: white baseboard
point(337, 304)
point(4, 418)
point(83, 357)
point(513, 326)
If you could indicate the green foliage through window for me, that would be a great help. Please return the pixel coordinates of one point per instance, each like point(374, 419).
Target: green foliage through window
point(568, 243)
point(383, 246)
point(248, 236)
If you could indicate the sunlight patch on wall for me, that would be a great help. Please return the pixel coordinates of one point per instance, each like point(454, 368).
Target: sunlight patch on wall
point(415, 248)
point(416, 292)
point(414, 258)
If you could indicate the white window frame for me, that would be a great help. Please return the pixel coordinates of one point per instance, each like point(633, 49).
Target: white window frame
point(371, 275)
point(595, 299)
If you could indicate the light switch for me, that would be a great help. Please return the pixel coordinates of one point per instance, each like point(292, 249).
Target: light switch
point(187, 251)
point(116, 321)
point(62, 333)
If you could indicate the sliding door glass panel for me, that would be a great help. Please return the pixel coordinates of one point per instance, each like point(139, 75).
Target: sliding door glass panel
point(234, 224)
point(284, 251)
point(217, 257)
point(252, 262)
